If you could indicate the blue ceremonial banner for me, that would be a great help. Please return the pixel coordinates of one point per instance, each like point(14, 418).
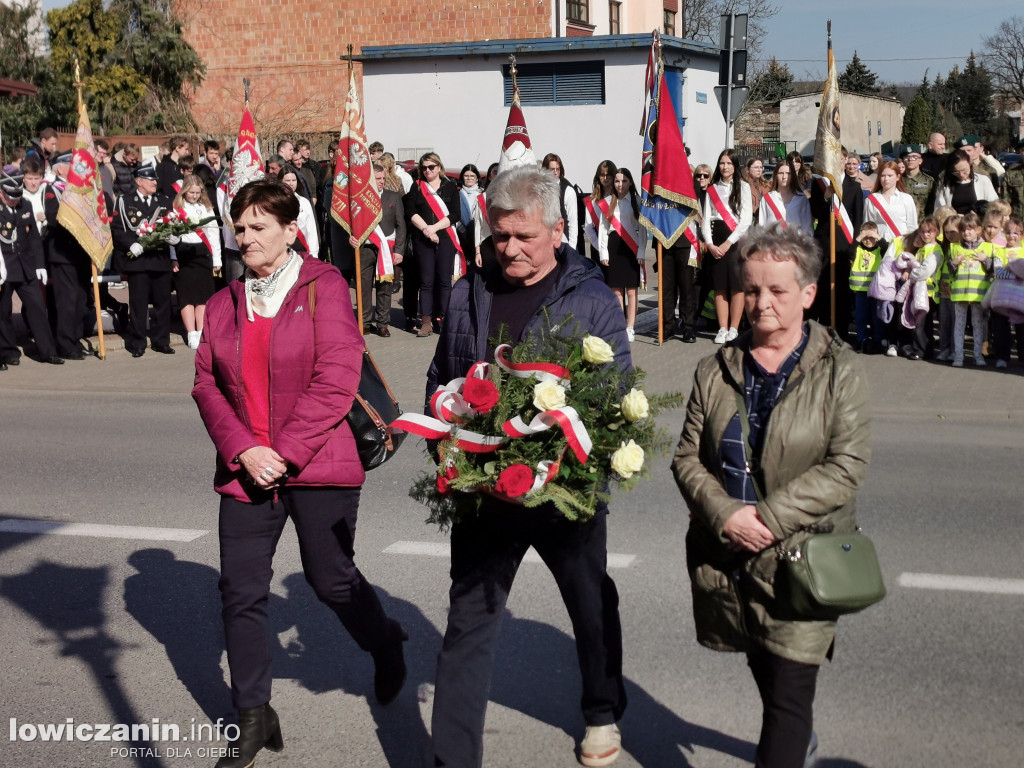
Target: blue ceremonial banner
point(667, 198)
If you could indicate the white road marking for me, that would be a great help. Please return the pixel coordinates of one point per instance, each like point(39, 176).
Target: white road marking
point(439, 549)
point(962, 583)
point(55, 527)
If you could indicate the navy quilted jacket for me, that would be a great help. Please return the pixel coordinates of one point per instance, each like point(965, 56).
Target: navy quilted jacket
point(580, 292)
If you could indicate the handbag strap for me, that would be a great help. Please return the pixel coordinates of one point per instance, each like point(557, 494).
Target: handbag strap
point(748, 449)
point(311, 299)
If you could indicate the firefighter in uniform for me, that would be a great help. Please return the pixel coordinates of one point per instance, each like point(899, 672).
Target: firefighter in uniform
point(148, 272)
point(21, 250)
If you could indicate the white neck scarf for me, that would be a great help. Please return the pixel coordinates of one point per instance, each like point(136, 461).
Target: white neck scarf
point(265, 295)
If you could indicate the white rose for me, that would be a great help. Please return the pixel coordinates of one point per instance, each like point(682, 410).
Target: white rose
point(548, 395)
point(634, 405)
point(628, 460)
point(596, 350)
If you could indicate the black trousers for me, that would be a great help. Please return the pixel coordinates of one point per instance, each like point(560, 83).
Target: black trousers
point(69, 286)
point(787, 693)
point(325, 522)
point(33, 311)
point(1001, 327)
point(486, 553)
point(436, 263)
point(145, 288)
point(680, 282)
point(379, 313)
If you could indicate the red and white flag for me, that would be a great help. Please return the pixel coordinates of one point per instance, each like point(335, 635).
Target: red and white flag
point(516, 148)
point(246, 162)
point(83, 211)
point(355, 204)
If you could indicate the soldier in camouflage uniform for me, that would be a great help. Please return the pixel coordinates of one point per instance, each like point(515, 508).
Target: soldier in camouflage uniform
point(916, 182)
point(1013, 185)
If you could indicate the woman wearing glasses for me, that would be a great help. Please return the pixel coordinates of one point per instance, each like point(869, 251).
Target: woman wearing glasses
point(433, 206)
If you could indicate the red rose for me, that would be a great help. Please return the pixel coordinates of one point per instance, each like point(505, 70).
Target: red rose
point(481, 394)
point(514, 481)
point(182, 214)
point(444, 481)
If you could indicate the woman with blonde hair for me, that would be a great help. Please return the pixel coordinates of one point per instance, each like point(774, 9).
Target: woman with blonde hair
point(195, 257)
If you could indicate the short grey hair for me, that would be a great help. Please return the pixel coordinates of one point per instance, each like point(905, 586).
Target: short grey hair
point(526, 188)
point(784, 244)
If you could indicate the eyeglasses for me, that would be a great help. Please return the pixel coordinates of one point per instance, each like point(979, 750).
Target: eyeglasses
point(703, 175)
point(428, 167)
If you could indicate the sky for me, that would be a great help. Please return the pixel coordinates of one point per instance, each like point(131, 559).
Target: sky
point(896, 39)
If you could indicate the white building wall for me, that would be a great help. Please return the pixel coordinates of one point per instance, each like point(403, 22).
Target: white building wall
point(456, 109)
point(798, 121)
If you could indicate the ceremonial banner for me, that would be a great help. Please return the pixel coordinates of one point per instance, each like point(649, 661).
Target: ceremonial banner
point(246, 162)
point(83, 210)
point(828, 146)
point(516, 148)
point(668, 202)
point(355, 203)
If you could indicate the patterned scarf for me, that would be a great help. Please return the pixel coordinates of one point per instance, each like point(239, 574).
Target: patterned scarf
point(265, 295)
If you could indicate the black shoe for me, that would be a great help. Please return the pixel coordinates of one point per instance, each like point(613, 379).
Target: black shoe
point(913, 356)
point(163, 349)
point(257, 728)
point(13, 360)
point(689, 337)
point(137, 352)
point(382, 330)
point(3, 366)
point(54, 360)
point(78, 354)
point(389, 664)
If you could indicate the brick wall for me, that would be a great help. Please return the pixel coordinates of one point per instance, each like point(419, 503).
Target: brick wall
point(290, 50)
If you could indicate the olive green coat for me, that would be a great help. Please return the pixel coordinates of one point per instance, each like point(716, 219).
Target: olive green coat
point(815, 457)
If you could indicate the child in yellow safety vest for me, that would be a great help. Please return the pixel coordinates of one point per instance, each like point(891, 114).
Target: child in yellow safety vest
point(970, 265)
point(950, 236)
point(923, 266)
point(1002, 320)
point(866, 260)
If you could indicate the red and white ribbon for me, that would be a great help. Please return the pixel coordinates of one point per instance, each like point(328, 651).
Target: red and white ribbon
point(542, 371)
point(778, 213)
point(566, 418)
point(722, 208)
point(385, 261)
point(437, 205)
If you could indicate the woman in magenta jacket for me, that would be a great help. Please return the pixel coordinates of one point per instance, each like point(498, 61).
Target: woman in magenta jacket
point(276, 372)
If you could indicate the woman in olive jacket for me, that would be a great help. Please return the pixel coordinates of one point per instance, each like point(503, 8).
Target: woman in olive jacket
point(807, 399)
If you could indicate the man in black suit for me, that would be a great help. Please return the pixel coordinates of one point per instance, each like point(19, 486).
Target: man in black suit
point(821, 209)
point(392, 225)
point(67, 266)
point(148, 272)
point(22, 270)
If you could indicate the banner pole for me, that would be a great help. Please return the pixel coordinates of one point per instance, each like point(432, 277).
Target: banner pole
point(99, 316)
point(661, 316)
point(832, 268)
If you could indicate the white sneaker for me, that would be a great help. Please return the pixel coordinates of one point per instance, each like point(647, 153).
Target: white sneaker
point(731, 335)
point(891, 351)
point(630, 334)
point(1001, 364)
point(601, 745)
point(193, 339)
point(721, 336)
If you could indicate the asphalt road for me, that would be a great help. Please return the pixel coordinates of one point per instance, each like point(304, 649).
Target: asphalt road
point(125, 630)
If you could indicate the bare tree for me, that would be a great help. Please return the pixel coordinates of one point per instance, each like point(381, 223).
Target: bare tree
point(1004, 57)
point(701, 19)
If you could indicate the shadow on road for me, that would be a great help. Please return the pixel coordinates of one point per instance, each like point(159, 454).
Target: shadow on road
point(68, 602)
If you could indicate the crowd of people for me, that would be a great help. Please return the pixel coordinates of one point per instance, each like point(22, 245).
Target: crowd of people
point(436, 231)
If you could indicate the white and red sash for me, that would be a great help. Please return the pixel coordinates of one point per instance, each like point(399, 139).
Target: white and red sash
point(615, 222)
point(385, 261)
point(876, 200)
point(441, 212)
point(780, 215)
point(481, 201)
point(205, 238)
point(722, 208)
point(838, 209)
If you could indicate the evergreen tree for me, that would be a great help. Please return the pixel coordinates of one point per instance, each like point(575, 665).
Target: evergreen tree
point(917, 121)
point(773, 84)
point(857, 78)
point(974, 92)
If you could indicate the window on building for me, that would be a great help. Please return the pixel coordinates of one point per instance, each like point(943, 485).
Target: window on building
point(669, 26)
point(614, 18)
point(577, 10)
point(557, 83)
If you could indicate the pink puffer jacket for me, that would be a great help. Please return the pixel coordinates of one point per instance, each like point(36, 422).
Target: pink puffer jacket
point(314, 375)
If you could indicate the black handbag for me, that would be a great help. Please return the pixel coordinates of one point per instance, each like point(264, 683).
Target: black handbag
point(828, 574)
point(373, 408)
